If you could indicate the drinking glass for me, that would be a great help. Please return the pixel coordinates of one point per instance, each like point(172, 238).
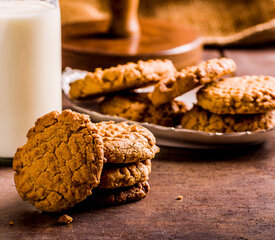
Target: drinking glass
point(30, 67)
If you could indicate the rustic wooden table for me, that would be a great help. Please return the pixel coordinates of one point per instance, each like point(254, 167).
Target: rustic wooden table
point(227, 194)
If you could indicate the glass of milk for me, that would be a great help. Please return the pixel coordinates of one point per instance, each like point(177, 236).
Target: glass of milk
point(30, 67)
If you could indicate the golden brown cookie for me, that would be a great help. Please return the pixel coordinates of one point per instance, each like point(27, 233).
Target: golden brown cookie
point(203, 120)
point(110, 197)
point(124, 143)
point(132, 106)
point(239, 95)
point(61, 162)
point(124, 175)
point(173, 85)
point(137, 107)
point(121, 77)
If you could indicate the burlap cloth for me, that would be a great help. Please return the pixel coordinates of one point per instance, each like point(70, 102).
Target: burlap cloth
point(220, 22)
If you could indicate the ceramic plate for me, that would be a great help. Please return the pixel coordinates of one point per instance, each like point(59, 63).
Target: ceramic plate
point(166, 136)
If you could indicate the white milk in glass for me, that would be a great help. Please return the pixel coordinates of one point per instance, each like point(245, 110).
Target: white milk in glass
point(30, 68)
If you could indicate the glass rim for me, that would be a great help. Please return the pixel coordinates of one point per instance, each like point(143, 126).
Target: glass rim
point(54, 3)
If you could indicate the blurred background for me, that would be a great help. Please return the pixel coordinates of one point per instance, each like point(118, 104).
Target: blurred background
point(221, 22)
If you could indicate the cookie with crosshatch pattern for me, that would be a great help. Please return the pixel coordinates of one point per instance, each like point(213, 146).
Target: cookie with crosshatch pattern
point(61, 162)
point(126, 143)
point(121, 77)
point(239, 95)
point(124, 175)
point(173, 85)
point(137, 107)
point(109, 197)
point(203, 120)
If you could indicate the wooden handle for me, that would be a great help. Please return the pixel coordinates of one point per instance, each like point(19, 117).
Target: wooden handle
point(124, 22)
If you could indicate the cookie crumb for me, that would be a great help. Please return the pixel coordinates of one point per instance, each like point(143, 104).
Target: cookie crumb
point(11, 223)
point(65, 219)
point(179, 197)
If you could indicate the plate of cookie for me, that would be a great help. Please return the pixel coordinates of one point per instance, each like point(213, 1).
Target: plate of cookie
point(201, 106)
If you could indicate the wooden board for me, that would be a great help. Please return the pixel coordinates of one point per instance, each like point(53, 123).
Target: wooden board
point(87, 46)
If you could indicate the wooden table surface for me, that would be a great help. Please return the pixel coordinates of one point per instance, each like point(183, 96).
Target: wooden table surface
point(227, 193)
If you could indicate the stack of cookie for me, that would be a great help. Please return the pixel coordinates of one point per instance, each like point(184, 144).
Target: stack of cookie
point(234, 105)
point(128, 150)
point(67, 157)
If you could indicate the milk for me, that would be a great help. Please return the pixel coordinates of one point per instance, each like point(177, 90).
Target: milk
point(30, 68)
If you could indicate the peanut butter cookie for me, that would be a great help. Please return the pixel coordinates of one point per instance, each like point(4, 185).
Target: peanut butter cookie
point(239, 95)
point(61, 162)
point(173, 85)
point(138, 107)
point(132, 106)
point(125, 175)
point(128, 76)
point(124, 143)
point(116, 196)
point(203, 120)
